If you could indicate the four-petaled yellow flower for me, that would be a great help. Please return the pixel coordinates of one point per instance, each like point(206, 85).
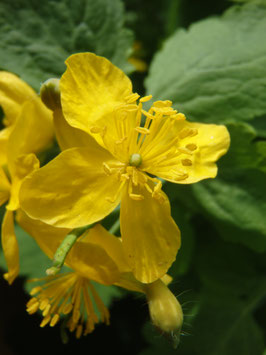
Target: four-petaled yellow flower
point(84, 184)
point(96, 256)
point(29, 129)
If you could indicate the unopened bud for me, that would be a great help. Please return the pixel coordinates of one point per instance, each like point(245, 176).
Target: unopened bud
point(165, 310)
point(50, 93)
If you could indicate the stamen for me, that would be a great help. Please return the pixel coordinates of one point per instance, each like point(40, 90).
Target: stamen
point(147, 114)
point(145, 98)
point(136, 197)
point(186, 162)
point(107, 169)
point(122, 140)
point(191, 147)
point(63, 294)
point(54, 320)
point(142, 130)
point(188, 132)
point(132, 98)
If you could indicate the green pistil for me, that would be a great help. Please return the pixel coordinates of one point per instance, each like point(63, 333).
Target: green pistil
point(135, 160)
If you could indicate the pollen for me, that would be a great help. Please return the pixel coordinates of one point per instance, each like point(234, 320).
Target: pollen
point(135, 160)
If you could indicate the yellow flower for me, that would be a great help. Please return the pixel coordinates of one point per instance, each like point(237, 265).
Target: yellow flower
point(28, 130)
point(84, 184)
point(98, 256)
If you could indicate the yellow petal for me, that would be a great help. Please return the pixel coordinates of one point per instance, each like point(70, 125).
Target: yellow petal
point(88, 259)
point(47, 237)
point(13, 93)
point(68, 136)
point(4, 135)
point(32, 133)
point(92, 88)
point(150, 236)
point(111, 244)
point(194, 156)
point(92, 261)
point(10, 247)
point(72, 190)
point(24, 165)
point(4, 187)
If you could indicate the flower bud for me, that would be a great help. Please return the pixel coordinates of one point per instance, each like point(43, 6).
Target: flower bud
point(165, 310)
point(50, 93)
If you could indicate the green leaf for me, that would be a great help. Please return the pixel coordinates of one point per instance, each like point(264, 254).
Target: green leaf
point(216, 70)
point(186, 252)
point(37, 36)
point(232, 289)
point(235, 200)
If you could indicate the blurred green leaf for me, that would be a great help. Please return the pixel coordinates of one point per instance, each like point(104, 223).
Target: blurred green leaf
point(235, 200)
point(232, 289)
point(216, 70)
point(37, 36)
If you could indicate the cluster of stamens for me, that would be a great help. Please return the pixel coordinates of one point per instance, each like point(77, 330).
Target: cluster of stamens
point(146, 139)
point(68, 295)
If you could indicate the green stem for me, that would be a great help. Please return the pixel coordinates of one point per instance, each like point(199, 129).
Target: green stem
point(64, 248)
point(115, 227)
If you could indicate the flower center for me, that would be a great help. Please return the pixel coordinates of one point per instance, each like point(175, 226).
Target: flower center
point(135, 160)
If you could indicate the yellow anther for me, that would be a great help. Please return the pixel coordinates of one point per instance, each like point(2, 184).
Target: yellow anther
point(46, 310)
point(44, 303)
point(79, 331)
point(121, 140)
point(181, 177)
point(136, 197)
point(142, 130)
point(167, 111)
point(147, 114)
point(158, 196)
point(132, 98)
point(95, 129)
point(186, 162)
point(45, 321)
point(148, 188)
point(179, 116)
point(191, 147)
point(32, 301)
point(160, 103)
point(33, 308)
point(76, 315)
point(54, 320)
point(107, 169)
point(145, 98)
point(67, 308)
point(158, 186)
point(35, 290)
point(188, 132)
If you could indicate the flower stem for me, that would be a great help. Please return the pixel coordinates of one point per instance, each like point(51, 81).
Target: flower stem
point(64, 248)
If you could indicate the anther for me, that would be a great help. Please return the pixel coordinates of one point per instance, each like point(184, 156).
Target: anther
point(136, 197)
point(191, 147)
point(186, 162)
point(107, 169)
point(132, 98)
point(145, 98)
point(54, 320)
point(142, 130)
